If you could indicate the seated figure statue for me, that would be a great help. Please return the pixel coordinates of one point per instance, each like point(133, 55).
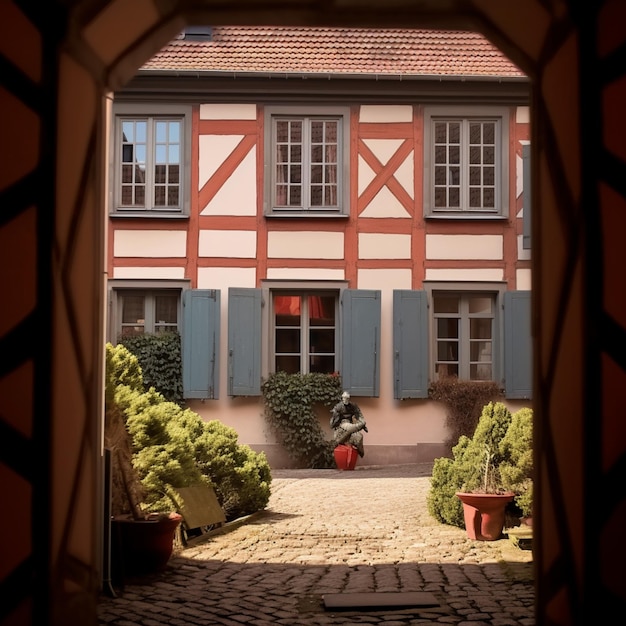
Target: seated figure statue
point(347, 422)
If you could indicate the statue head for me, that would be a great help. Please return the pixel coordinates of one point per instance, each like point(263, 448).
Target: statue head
point(345, 397)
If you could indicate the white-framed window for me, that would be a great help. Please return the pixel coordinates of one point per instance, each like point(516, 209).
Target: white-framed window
point(150, 160)
point(464, 334)
point(466, 155)
point(307, 154)
point(140, 307)
point(305, 331)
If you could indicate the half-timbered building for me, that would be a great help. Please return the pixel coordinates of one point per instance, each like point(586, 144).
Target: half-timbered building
point(335, 200)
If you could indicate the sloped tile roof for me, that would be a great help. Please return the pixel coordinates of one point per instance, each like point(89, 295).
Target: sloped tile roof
point(310, 50)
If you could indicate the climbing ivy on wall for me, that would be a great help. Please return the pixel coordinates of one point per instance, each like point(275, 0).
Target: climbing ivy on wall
point(294, 404)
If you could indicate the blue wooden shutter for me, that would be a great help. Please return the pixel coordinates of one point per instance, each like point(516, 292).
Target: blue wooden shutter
point(526, 204)
point(201, 341)
point(360, 371)
point(410, 344)
point(518, 366)
point(244, 342)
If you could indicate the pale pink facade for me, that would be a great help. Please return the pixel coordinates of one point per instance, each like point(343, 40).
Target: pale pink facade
point(384, 240)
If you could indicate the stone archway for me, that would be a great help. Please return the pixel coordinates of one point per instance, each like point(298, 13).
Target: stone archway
point(56, 70)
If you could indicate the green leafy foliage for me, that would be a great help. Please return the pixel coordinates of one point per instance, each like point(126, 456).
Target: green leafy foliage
point(464, 400)
point(516, 470)
point(290, 410)
point(484, 463)
point(160, 358)
point(170, 447)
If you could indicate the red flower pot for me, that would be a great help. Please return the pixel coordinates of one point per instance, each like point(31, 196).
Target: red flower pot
point(484, 514)
point(142, 546)
point(345, 457)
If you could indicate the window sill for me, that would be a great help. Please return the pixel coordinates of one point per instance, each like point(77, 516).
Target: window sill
point(466, 216)
point(307, 215)
point(149, 215)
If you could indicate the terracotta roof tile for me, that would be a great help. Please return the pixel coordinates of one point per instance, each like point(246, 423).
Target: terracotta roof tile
point(310, 50)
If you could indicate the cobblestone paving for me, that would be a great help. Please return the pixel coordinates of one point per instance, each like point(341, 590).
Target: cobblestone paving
point(327, 531)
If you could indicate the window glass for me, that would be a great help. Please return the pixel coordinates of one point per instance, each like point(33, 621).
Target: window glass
point(465, 157)
point(464, 335)
point(304, 332)
point(147, 311)
point(306, 163)
point(148, 170)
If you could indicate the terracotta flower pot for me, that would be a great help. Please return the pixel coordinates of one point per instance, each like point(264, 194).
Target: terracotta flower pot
point(484, 514)
point(142, 546)
point(345, 457)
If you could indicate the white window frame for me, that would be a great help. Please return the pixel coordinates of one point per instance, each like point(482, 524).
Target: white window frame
point(119, 288)
point(342, 115)
point(466, 114)
point(150, 113)
point(496, 292)
point(272, 287)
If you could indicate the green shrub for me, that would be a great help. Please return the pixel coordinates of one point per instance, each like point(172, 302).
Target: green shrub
point(164, 447)
point(290, 410)
point(484, 463)
point(464, 401)
point(516, 471)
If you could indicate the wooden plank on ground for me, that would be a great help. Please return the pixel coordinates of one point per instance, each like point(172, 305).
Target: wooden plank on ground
point(378, 600)
point(200, 506)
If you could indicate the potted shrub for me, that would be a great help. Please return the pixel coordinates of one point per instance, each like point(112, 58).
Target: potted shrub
point(141, 539)
point(470, 489)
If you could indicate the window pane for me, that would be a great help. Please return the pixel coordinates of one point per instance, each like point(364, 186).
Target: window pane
point(447, 328)
point(173, 154)
point(133, 309)
point(160, 132)
point(475, 198)
point(480, 304)
point(295, 196)
point(288, 340)
point(287, 310)
point(455, 132)
point(454, 154)
point(475, 133)
point(489, 199)
point(446, 304)
point(322, 364)
point(173, 174)
point(173, 198)
point(454, 198)
point(489, 132)
point(440, 154)
point(166, 309)
point(441, 198)
point(446, 370)
point(174, 131)
point(322, 340)
point(316, 195)
point(322, 310)
point(441, 132)
point(447, 351)
point(289, 364)
point(480, 328)
point(282, 131)
point(160, 154)
point(480, 371)
point(480, 351)
point(159, 174)
point(295, 133)
point(159, 196)
point(316, 174)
